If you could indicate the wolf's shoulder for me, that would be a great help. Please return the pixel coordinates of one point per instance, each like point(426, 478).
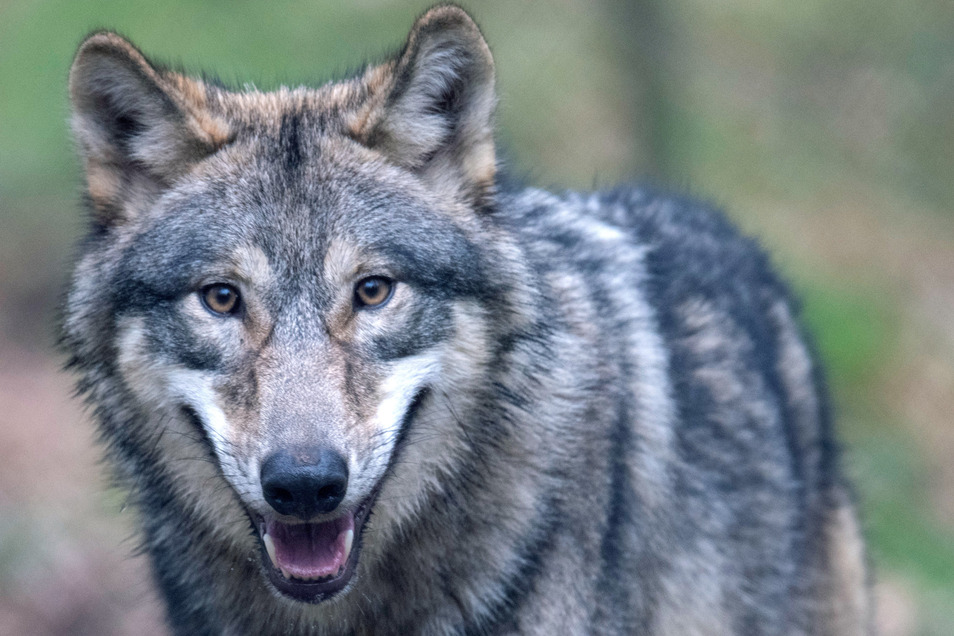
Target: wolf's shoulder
point(688, 244)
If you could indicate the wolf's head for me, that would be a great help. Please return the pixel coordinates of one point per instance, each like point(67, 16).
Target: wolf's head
point(278, 285)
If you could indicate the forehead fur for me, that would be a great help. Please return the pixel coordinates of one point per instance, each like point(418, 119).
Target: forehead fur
point(336, 106)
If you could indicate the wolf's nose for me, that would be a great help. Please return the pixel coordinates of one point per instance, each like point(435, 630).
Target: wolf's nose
point(304, 482)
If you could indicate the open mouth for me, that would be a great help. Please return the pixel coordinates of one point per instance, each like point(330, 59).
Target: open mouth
point(311, 562)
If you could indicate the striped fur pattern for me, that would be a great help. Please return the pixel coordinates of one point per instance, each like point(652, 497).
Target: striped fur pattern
point(573, 414)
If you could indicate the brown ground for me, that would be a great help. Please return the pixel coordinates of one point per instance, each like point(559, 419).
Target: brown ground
point(65, 552)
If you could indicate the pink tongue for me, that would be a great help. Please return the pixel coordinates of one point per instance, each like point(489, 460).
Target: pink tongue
point(309, 550)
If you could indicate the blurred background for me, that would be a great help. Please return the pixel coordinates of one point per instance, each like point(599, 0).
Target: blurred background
point(825, 127)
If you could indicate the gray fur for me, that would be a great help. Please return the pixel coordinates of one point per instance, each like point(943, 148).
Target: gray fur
point(576, 414)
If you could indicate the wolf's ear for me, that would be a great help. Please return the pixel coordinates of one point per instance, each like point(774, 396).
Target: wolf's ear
point(433, 112)
point(138, 127)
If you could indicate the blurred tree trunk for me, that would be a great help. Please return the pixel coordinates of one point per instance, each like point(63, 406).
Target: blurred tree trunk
point(642, 35)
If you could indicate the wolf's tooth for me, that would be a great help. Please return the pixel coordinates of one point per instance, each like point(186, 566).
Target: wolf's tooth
point(270, 548)
point(349, 539)
point(284, 572)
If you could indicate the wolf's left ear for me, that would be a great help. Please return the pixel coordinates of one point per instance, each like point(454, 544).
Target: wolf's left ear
point(431, 109)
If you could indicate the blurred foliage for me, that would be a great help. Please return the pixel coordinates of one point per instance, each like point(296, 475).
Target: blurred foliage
point(824, 126)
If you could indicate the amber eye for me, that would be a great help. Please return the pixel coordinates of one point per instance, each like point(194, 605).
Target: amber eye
point(221, 299)
point(373, 291)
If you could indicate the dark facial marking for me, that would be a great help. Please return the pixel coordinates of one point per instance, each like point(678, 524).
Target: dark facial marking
point(168, 336)
point(429, 324)
point(290, 141)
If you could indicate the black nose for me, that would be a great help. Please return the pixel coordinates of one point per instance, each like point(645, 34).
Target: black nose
point(304, 483)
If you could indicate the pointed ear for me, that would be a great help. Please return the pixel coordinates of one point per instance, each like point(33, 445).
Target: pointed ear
point(431, 109)
point(138, 127)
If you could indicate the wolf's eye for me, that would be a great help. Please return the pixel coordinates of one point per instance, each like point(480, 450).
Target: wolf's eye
point(220, 299)
point(373, 291)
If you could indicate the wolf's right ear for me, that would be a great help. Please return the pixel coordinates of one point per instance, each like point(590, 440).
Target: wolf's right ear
point(138, 127)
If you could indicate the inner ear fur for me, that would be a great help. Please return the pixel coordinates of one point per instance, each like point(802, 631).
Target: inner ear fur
point(138, 127)
point(431, 109)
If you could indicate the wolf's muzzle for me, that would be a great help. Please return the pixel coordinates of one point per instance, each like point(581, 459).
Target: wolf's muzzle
point(305, 482)
point(310, 558)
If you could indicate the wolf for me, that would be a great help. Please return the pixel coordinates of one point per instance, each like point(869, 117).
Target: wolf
point(357, 381)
